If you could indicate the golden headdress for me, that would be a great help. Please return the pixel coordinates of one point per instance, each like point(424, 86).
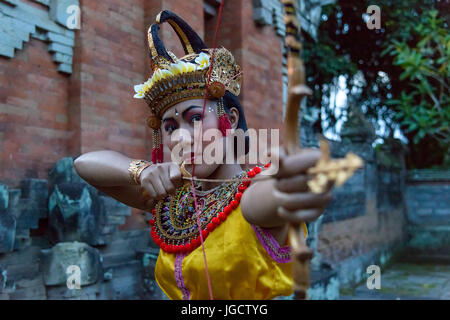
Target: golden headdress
point(189, 77)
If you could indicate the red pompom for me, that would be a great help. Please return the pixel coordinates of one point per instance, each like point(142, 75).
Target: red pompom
point(154, 211)
point(238, 196)
point(152, 222)
point(195, 242)
point(216, 221)
point(179, 248)
point(267, 165)
point(251, 174)
point(205, 233)
point(210, 227)
point(242, 188)
point(234, 204)
point(257, 170)
point(222, 216)
point(227, 210)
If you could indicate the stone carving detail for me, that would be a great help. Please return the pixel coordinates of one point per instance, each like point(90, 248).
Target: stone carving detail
point(19, 20)
point(20, 210)
point(3, 279)
point(151, 289)
point(56, 261)
point(270, 12)
point(59, 8)
point(7, 232)
point(78, 212)
point(7, 223)
point(81, 229)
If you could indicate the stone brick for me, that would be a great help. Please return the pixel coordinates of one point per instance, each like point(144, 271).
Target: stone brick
point(55, 262)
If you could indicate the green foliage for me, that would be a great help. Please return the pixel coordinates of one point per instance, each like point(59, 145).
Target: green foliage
point(397, 75)
point(423, 107)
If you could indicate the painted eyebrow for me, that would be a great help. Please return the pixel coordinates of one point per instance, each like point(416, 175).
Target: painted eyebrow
point(184, 112)
point(188, 109)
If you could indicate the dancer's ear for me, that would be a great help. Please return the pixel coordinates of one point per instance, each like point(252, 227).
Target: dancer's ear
point(233, 115)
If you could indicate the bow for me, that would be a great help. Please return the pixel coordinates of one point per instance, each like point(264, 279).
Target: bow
point(297, 90)
point(326, 170)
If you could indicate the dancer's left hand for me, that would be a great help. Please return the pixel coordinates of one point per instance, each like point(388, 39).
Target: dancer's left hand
point(295, 202)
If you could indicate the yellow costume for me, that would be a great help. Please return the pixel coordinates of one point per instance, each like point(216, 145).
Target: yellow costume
point(245, 262)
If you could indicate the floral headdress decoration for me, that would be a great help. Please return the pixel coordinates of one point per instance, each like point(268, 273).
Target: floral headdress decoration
point(201, 71)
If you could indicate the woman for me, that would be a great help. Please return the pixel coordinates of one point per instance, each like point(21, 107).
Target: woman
point(234, 246)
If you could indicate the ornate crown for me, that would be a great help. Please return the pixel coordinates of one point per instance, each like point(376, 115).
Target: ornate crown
point(175, 80)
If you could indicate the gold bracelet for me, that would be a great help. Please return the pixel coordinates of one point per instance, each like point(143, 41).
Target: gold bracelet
point(135, 169)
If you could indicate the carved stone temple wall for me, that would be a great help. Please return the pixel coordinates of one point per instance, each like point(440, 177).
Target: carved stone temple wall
point(49, 229)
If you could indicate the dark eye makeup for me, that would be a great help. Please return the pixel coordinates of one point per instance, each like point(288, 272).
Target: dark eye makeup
point(170, 125)
point(191, 115)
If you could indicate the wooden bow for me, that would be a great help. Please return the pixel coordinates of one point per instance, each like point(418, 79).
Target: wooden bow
point(326, 170)
point(297, 90)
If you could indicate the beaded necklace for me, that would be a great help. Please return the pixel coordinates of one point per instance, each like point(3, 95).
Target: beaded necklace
point(174, 225)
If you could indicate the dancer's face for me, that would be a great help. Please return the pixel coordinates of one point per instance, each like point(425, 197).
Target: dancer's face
point(178, 124)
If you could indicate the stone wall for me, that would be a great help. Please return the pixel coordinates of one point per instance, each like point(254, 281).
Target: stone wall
point(428, 213)
point(48, 227)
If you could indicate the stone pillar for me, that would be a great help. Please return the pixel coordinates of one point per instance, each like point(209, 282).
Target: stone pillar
point(391, 173)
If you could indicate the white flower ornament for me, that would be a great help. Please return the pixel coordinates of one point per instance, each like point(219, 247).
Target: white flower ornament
point(139, 89)
point(202, 60)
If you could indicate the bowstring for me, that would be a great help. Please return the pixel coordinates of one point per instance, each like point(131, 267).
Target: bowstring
point(219, 18)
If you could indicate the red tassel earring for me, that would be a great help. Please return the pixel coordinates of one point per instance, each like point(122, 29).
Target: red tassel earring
point(224, 121)
point(157, 152)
